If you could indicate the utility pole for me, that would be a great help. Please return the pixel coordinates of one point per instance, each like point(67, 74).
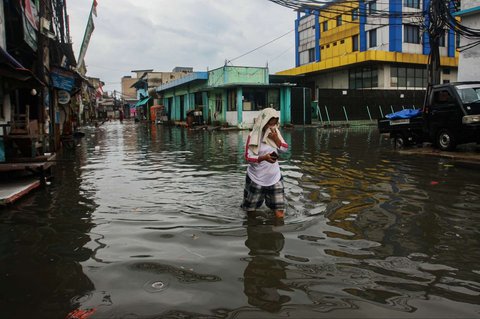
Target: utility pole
point(435, 31)
point(435, 28)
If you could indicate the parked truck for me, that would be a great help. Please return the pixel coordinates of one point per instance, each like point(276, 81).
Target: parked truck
point(450, 116)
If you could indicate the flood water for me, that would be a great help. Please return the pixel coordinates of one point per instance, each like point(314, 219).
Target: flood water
point(144, 222)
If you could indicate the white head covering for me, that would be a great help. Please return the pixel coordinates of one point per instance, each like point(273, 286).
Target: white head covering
point(257, 131)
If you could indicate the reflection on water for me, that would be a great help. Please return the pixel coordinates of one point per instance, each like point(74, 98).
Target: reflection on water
point(144, 222)
point(264, 275)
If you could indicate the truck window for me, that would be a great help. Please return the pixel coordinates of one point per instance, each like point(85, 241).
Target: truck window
point(469, 94)
point(442, 99)
point(470, 97)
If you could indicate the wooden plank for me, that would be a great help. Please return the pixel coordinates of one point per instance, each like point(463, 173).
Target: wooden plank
point(33, 163)
point(12, 191)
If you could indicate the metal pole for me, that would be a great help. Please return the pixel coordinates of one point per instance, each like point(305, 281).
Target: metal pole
point(319, 114)
point(345, 111)
point(380, 108)
point(328, 116)
point(304, 110)
point(391, 107)
point(369, 115)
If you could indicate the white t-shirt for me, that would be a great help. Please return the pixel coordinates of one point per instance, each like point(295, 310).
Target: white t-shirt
point(263, 173)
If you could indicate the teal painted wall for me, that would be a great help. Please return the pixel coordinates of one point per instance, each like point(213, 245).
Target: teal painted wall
point(234, 74)
point(239, 105)
point(218, 78)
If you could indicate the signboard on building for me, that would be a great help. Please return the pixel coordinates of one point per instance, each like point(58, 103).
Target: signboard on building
point(62, 79)
point(30, 23)
point(63, 97)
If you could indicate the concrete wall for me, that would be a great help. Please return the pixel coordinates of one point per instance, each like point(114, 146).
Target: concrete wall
point(469, 60)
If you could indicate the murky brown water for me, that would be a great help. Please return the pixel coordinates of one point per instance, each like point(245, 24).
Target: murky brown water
point(145, 223)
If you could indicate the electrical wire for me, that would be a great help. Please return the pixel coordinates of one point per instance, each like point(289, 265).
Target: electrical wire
point(257, 48)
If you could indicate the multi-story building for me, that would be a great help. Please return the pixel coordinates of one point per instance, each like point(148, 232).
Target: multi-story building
point(369, 45)
point(469, 61)
point(142, 88)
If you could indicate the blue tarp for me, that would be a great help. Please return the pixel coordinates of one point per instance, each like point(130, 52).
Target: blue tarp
point(404, 114)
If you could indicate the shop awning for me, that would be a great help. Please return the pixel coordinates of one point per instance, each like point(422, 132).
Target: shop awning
point(11, 68)
point(142, 101)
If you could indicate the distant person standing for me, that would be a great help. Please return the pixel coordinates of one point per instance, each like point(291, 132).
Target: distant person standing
point(120, 116)
point(264, 181)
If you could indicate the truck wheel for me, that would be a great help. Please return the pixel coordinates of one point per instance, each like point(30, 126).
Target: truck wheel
point(399, 141)
point(446, 140)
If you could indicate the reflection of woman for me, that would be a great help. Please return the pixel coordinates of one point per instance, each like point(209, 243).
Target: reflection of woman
point(264, 273)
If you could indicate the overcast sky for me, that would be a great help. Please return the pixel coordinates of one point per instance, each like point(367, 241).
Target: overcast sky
point(163, 34)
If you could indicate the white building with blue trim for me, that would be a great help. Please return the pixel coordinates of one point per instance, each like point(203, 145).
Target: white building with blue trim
point(369, 44)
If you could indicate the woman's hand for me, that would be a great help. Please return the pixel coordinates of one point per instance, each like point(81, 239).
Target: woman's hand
point(267, 157)
point(273, 135)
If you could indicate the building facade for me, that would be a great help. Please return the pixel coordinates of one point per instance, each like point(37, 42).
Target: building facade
point(230, 95)
point(142, 89)
point(373, 45)
point(469, 61)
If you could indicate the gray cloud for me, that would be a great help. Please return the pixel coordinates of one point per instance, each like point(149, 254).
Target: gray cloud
point(162, 34)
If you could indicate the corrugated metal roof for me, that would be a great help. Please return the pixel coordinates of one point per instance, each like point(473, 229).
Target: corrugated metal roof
point(142, 102)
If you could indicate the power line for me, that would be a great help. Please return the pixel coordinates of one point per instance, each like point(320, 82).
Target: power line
point(263, 45)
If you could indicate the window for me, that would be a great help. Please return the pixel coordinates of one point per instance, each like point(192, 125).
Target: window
point(354, 14)
point(232, 100)
point(442, 97)
point(372, 7)
point(411, 34)
point(372, 38)
point(412, 4)
point(273, 96)
point(254, 99)
point(218, 103)
point(355, 43)
point(311, 55)
point(408, 77)
point(441, 41)
point(339, 20)
point(198, 100)
point(364, 77)
point(325, 25)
